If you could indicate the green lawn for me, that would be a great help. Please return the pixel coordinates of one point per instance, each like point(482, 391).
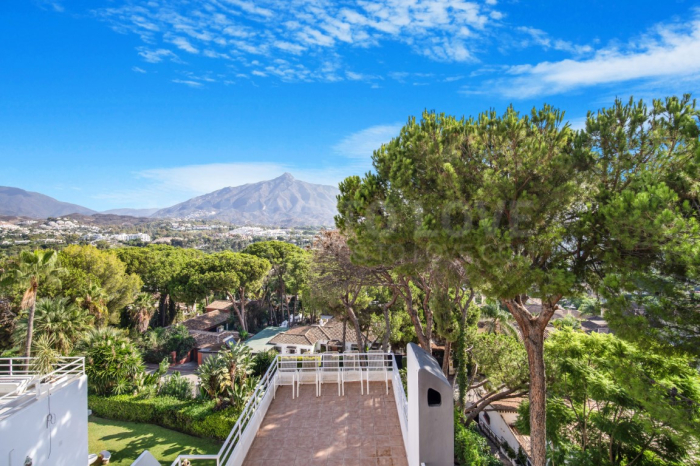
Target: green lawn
point(127, 440)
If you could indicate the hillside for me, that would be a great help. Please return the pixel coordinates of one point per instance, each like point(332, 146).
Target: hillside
point(18, 202)
point(283, 201)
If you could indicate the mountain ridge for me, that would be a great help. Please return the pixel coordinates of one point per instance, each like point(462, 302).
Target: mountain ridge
point(21, 203)
point(282, 201)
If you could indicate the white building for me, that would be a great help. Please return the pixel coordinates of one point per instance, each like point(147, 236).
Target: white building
point(326, 336)
point(43, 418)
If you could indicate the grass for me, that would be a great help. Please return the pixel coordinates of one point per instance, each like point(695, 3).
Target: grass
point(127, 440)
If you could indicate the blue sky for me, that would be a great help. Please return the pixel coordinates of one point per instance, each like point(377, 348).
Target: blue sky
point(147, 103)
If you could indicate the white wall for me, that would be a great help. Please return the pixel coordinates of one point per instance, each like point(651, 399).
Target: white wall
point(63, 443)
point(499, 426)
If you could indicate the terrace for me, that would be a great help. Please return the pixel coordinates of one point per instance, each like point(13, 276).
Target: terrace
point(21, 382)
point(43, 416)
point(321, 409)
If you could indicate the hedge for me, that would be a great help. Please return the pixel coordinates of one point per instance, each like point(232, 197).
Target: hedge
point(190, 417)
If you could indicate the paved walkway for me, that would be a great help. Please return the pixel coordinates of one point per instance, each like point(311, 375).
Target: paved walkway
point(330, 430)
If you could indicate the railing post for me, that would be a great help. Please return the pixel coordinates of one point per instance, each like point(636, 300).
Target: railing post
point(10, 366)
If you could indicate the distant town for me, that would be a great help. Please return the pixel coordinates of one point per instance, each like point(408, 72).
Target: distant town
point(206, 235)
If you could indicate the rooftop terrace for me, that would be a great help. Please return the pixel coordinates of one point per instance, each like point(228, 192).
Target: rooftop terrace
point(321, 409)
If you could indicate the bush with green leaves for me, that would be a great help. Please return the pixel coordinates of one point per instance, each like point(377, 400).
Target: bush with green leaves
point(225, 378)
point(113, 364)
point(471, 448)
point(176, 386)
point(262, 362)
point(159, 343)
point(198, 418)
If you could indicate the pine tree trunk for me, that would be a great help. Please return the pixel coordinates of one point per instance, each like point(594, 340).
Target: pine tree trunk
point(534, 345)
point(387, 330)
point(30, 329)
point(446, 358)
point(532, 328)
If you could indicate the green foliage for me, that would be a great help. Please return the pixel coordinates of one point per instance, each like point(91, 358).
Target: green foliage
point(471, 448)
point(88, 267)
point(610, 402)
point(112, 361)
point(59, 320)
point(224, 377)
point(159, 343)
point(262, 362)
point(176, 386)
point(196, 418)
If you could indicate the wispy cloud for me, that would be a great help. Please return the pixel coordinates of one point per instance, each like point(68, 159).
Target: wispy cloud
point(169, 185)
point(443, 30)
point(188, 82)
point(136, 69)
point(362, 144)
point(667, 52)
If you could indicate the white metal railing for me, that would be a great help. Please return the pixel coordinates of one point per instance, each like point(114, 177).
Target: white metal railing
point(19, 374)
point(401, 404)
point(375, 366)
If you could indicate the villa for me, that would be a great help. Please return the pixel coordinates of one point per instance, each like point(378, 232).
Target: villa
point(324, 336)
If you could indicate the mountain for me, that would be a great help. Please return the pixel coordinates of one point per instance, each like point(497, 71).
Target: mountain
point(283, 201)
point(131, 212)
point(15, 201)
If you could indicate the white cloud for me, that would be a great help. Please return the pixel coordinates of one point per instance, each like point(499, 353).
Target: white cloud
point(668, 52)
point(188, 82)
point(309, 30)
point(362, 144)
point(183, 44)
point(136, 69)
point(156, 56)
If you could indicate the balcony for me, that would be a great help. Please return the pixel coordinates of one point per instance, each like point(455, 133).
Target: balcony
point(21, 382)
point(320, 409)
point(43, 416)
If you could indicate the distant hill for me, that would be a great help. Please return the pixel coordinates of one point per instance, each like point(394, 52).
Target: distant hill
point(283, 201)
point(18, 202)
point(131, 212)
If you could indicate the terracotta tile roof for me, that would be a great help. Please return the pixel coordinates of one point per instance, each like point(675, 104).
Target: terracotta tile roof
point(509, 405)
point(212, 340)
point(221, 305)
point(523, 441)
point(207, 321)
point(308, 335)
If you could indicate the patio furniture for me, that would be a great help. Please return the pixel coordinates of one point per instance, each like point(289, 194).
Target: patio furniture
point(352, 370)
point(105, 456)
point(330, 370)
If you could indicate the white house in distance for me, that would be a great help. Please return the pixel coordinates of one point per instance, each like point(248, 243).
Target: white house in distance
point(321, 337)
point(497, 422)
point(43, 418)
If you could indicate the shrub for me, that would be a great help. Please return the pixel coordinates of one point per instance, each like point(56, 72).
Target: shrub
point(177, 386)
point(190, 417)
point(262, 362)
point(470, 447)
point(157, 344)
point(112, 363)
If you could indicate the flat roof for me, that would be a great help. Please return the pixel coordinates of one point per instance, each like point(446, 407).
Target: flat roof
point(259, 342)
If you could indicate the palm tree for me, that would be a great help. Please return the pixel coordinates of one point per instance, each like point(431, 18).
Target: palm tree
point(498, 320)
point(30, 271)
point(95, 301)
point(142, 310)
point(61, 321)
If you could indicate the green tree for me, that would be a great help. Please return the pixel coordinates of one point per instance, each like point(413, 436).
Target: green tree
point(112, 362)
point(95, 302)
point(158, 266)
point(63, 322)
point(532, 209)
point(97, 275)
point(32, 270)
point(281, 256)
point(614, 403)
point(141, 311)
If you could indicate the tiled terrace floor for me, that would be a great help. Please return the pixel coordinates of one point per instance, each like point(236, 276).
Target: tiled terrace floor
point(330, 430)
